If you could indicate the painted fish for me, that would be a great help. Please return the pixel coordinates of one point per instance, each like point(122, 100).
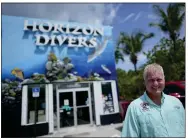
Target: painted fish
point(106, 69)
point(98, 51)
point(18, 73)
point(75, 72)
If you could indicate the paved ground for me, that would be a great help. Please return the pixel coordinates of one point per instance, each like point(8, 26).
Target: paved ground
point(113, 130)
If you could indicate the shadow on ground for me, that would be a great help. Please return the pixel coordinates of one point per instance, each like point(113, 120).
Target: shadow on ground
point(76, 135)
point(119, 128)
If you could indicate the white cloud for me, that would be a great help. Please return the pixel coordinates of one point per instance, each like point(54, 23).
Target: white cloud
point(128, 65)
point(83, 13)
point(149, 46)
point(151, 16)
point(138, 16)
point(112, 10)
point(126, 58)
point(128, 17)
point(163, 34)
point(141, 58)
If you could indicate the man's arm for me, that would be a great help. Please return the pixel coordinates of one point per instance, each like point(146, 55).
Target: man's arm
point(131, 126)
point(182, 111)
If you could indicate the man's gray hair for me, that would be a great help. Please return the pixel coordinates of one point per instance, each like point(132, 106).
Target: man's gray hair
point(152, 68)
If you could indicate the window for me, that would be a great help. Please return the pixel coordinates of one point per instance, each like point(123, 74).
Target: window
point(107, 97)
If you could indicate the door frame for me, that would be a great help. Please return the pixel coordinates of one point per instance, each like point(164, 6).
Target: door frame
point(48, 107)
point(73, 90)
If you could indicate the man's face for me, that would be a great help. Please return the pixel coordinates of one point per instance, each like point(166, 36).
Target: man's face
point(155, 82)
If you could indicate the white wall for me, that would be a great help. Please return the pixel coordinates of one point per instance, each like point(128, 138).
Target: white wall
point(115, 97)
point(24, 105)
point(50, 108)
point(98, 101)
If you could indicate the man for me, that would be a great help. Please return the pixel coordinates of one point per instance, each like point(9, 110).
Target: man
point(154, 114)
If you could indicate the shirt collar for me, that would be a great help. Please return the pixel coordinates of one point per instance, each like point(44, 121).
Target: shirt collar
point(151, 102)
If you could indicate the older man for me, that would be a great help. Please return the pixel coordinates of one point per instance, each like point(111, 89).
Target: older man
point(154, 114)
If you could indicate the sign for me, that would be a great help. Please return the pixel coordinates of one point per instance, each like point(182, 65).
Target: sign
point(66, 102)
point(85, 47)
point(36, 91)
point(64, 34)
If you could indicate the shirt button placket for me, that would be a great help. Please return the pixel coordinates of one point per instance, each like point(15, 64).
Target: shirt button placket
point(164, 120)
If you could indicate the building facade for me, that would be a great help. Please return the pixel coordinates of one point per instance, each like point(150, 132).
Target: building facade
point(61, 73)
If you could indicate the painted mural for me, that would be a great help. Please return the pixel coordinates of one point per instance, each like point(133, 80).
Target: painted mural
point(30, 54)
point(42, 51)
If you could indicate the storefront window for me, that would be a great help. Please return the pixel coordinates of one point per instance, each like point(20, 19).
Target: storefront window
point(107, 97)
point(39, 103)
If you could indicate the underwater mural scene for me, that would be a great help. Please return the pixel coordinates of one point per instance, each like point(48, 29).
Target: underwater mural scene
point(43, 51)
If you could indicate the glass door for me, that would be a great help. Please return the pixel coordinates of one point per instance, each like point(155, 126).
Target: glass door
point(73, 107)
point(82, 107)
point(66, 109)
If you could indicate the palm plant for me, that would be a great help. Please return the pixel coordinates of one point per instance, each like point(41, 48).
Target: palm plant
point(171, 20)
point(118, 55)
point(133, 44)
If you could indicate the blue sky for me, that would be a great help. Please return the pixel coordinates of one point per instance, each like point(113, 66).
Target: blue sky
point(123, 17)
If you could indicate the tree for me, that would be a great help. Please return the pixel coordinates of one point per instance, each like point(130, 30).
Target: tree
point(130, 84)
point(171, 20)
point(174, 67)
point(133, 44)
point(118, 55)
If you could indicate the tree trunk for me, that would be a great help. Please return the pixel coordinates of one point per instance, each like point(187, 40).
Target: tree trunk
point(174, 53)
point(135, 69)
point(173, 37)
point(174, 44)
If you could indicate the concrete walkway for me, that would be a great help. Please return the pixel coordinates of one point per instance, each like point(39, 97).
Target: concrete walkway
point(113, 130)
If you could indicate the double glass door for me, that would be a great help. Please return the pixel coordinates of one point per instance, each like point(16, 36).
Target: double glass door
point(73, 107)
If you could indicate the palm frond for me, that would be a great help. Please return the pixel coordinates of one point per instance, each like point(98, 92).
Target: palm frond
point(161, 26)
point(160, 12)
point(118, 55)
point(147, 36)
point(172, 20)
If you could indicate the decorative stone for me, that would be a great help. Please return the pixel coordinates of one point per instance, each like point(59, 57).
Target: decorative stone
point(49, 65)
